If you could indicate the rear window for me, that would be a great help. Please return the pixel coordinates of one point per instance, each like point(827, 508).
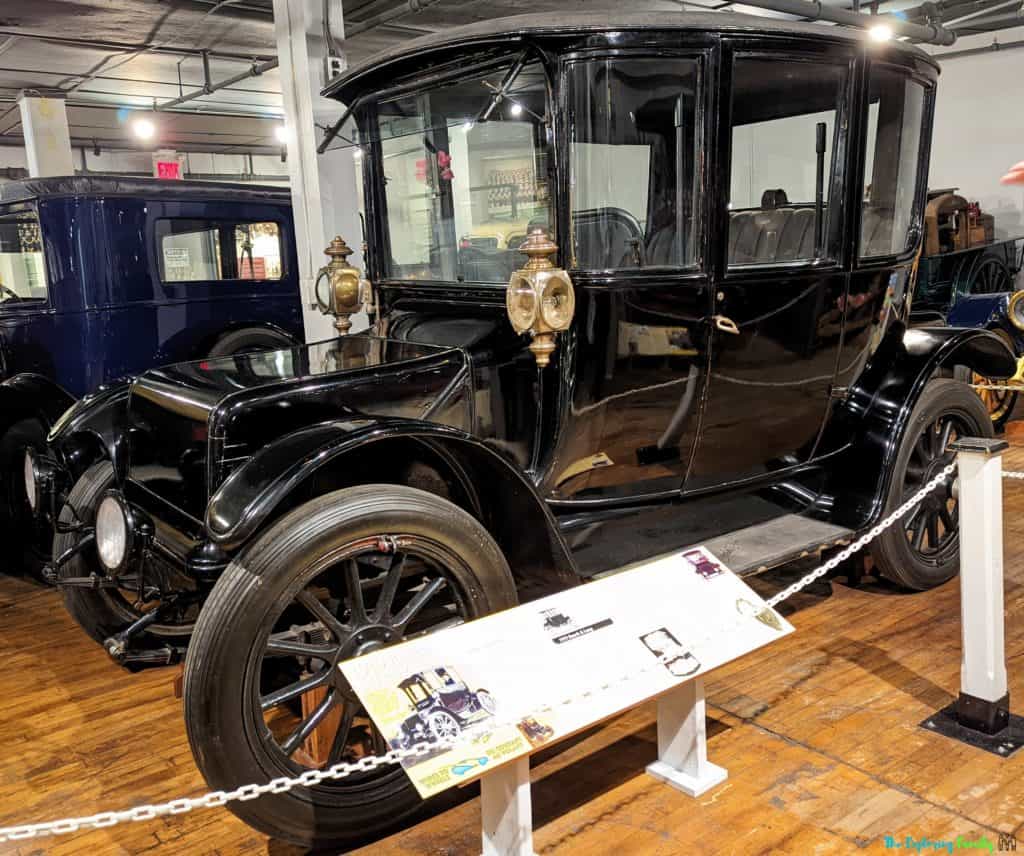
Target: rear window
point(191, 250)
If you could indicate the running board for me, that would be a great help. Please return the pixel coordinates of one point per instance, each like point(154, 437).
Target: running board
point(767, 545)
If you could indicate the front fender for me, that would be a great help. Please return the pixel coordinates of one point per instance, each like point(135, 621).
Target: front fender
point(94, 427)
point(501, 496)
point(868, 427)
point(32, 396)
point(978, 310)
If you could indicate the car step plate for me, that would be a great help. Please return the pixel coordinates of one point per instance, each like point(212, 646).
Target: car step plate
point(767, 545)
point(775, 542)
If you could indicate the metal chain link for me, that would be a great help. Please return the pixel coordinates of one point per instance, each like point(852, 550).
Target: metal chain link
point(368, 763)
point(1011, 474)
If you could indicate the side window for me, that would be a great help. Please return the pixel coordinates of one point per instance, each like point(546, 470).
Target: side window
point(896, 110)
point(188, 250)
point(784, 144)
point(22, 275)
point(632, 154)
point(201, 251)
point(258, 250)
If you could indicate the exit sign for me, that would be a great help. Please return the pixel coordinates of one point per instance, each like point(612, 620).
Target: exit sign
point(168, 164)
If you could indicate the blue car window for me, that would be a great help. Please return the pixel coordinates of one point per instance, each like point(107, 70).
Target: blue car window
point(195, 250)
point(22, 275)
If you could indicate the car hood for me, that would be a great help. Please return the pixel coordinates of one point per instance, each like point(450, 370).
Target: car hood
point(194, 423)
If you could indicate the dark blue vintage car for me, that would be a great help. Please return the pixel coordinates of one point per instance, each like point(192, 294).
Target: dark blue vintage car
point(102, 278)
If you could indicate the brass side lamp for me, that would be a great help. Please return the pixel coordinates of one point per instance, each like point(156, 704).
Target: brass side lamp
point(540, 298)
point(347, 291)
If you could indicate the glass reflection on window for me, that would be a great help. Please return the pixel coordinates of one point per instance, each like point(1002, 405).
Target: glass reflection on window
point(466, 176)
point(633, 162)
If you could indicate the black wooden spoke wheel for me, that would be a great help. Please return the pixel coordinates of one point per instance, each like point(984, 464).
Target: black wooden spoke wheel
point(990, 276)
point(341, 576)
point(923, 550)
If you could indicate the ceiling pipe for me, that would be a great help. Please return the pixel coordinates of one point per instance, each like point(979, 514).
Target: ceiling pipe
point(122, 47)
point(813, 10)
point(409, 7)
point(209, 88)
point(981, 13)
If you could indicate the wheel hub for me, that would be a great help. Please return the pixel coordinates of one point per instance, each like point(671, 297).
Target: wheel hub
point(370, 637)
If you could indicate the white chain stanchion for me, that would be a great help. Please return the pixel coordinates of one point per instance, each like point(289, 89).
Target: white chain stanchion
point(368, 763)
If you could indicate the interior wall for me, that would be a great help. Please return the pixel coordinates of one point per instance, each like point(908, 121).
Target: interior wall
point(979, 129)
point(230, 165)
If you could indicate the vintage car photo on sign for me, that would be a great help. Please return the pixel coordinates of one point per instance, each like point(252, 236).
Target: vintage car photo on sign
point(102, 278)
point(697, 335)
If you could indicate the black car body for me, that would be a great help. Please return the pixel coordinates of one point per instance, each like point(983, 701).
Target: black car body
point(739, 357)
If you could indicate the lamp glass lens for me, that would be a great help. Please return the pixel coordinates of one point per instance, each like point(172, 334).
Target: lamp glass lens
point(111, 533)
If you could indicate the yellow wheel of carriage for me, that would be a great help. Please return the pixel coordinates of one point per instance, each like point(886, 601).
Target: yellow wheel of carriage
point(999, 401)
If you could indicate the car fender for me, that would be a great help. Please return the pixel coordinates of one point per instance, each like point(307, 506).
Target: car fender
point(32, 396)
point(878, 406)
point(978, 310)
point(502, 498)
point(93, 428)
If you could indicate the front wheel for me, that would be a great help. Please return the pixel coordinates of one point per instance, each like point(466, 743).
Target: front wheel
point(923, 550)
point(340, 576)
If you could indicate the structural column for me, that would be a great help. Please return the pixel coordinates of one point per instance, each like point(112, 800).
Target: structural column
point(325, 196)
point(44, 122)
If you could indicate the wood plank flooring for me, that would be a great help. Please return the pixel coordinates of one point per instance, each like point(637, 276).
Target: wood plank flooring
point(818, 732)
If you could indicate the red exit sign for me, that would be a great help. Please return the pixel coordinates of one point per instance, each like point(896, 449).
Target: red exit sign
point(168, 169)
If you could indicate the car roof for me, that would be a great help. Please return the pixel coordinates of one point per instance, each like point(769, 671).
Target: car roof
point(508, 31)
point(96, 185)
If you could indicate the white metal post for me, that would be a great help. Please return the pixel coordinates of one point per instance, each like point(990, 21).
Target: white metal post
point(44, 124)
point(683, 742)
point(983, 703)
point(507, 819)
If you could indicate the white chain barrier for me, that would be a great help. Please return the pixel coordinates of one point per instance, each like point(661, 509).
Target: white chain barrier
point(310, 778)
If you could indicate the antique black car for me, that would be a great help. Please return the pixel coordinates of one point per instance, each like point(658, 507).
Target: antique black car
point(718, 346)
point(443, 706)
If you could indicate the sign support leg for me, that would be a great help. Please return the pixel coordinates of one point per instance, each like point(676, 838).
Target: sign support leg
point(981, 714)
point(505, 810)
point(683, 743)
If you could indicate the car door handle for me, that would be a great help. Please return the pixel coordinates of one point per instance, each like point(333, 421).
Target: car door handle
point(726, 325)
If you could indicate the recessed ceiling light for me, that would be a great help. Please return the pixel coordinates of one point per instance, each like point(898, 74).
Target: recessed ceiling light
point(281, 132)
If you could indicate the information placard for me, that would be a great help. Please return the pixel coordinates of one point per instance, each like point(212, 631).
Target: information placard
point(586, 653)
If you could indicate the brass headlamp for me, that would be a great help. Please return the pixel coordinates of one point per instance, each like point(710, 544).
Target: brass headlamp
point(540, 299)
point(347, 291)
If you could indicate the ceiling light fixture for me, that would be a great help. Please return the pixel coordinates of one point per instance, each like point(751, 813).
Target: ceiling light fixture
point(143, 129)
point(516, 109)
point(881, 32)
point(281, 133)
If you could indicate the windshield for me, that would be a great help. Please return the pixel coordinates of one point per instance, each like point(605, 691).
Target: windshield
point(465, 175)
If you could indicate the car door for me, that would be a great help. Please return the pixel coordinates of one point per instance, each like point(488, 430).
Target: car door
point(780, 282)
point(636, 252)
point(27, 328)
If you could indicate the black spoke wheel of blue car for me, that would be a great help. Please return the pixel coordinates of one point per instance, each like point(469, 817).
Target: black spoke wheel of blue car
point(923, 551)
point(338, 577)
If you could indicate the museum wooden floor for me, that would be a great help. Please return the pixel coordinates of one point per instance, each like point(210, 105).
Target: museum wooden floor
point(819, 733)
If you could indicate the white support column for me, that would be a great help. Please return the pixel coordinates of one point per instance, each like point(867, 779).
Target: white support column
point(683, 742)
point(44, 123)
point(983, 704)
point(325, 197)
point(507, 819)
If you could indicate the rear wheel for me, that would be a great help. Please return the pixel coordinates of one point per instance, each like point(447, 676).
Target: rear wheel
point(342, 575)
point(250, 339)
point(923, 550)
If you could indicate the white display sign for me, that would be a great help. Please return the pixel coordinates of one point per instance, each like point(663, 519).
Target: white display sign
point(177, 263)
point(521, 678)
